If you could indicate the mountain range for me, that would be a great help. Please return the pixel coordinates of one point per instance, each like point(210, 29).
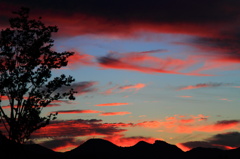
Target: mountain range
point(103, 149)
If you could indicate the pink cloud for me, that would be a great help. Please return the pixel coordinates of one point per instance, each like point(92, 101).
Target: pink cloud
point(225, 99)
point(80, 59)
point(148, 64)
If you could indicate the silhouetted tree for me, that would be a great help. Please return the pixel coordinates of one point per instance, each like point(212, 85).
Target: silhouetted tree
point(26, 63)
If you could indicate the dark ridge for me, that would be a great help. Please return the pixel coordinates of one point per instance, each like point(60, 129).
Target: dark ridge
point(103, 149)
point(11, 150)
point(201, 153)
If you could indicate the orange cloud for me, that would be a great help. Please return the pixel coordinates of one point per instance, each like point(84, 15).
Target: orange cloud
point(6, 107)
point(216, 127)
point(4, 97)
point(112, 104)
point(114, 113)
point(185, 96)
point(181, 124)
point(149, 124)
point(190, 120)
point(137, 86)
point(220, 126)
point(65, 148)
point(119, 89)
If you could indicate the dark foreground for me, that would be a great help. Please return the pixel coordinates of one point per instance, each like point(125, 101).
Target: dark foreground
point(102, 149)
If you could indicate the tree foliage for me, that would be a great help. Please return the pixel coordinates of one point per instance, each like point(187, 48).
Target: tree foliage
point(26, 82)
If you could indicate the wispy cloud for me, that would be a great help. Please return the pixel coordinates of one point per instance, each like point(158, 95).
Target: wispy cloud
point(185, 96)
point(184, 124)
point(111, 104)
point(136, 87)
point(200, 85)
point(76, 111)
point(120, 89)
point(80, 59)
point(147, 64)
point(114, 113)
point(80, 87)
point(225, 99)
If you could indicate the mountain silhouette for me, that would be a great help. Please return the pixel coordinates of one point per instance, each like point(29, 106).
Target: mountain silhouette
point(95, 148)
point(103, 149)
point(158, 150)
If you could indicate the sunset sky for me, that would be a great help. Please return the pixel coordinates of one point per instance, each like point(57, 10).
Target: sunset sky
point(145, 70)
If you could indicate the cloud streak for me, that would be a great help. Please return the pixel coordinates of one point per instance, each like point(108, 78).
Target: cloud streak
point(111, 104)
point(80, 59)
point(200, 85)
point(76, 128)
point(187, 125)
point(76, 111)
point(148, 64)
point(135, 87)
point(80, 87)
point(119, 89)
point(114, 113)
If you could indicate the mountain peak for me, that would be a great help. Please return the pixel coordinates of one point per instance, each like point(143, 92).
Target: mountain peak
point(95, 145)
point(160, 142)
point(142, 144)
point(164, 146)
